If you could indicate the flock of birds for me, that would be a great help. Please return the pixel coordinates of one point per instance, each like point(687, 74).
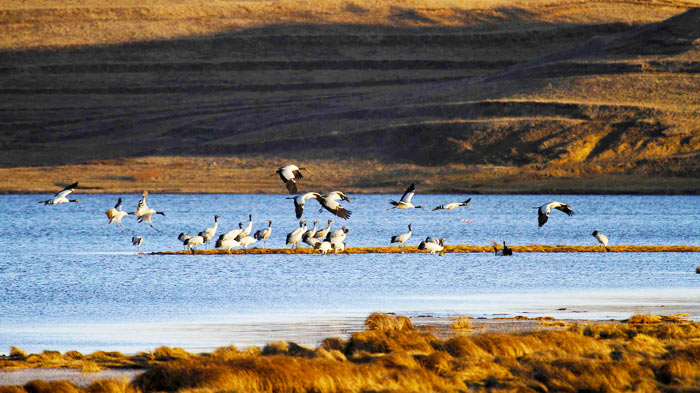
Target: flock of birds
point(324, 240)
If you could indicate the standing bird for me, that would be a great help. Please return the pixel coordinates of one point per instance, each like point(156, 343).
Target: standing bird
point(289, 175)
point(246, 231)
point(543, 211)
point(294, 237)
point(308, 236)
point(62, 196)
point(453, 205)
point(403, 237)
point(228, 244)
point(323, 247)
point(506, 251)
point(136, 241)
point(264, 234)
point(332, 205)
point(116, 213)
point(337, 236)
point(602, 239)
point(246, 241)
point(405, 202)
point(194, 241)
point(233, 233)
point(432, 246)
point(210, 232)
point(183, 238)
point(145, 213)
point(322, 233)
point(300, 201)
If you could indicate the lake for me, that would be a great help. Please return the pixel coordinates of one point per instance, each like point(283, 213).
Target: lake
point(69, 281)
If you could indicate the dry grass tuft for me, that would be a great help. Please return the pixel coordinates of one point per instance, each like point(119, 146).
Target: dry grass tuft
point(461, 323)
point(386, 323)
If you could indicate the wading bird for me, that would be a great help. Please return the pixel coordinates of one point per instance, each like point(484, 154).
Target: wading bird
point(506, 251)
point(453, 205)
point(294, 237)
point(228, 244)
point(300, 201)
point(183, 238)
point(289, 175)
point(145, 213)
point(246, 231)
point(602, 239)
point(62, 196)
point(543, 211)
point(402, 237)
point(116, 213)
point(432, 246)
point(210, 232)
point(136, 241)
point(193, 242)
point(405, 202)
point(322, 233)
point(264, 234)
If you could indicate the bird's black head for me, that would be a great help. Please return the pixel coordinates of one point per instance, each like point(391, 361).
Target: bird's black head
point(595, 233)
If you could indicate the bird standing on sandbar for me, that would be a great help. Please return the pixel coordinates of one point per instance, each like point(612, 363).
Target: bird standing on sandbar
point(402, 238)
point(543, 211)
point(62, 196)
point(602, 239)
point(136, 241)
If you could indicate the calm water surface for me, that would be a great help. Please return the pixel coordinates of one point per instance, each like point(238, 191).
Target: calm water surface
point(70, 281)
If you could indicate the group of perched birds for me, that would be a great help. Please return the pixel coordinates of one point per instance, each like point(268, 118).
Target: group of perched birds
point(323, 240)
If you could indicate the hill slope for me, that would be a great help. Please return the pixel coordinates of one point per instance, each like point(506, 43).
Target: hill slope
point(495, 96)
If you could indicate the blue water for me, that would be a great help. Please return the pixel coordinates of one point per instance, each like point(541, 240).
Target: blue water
point(70, 281)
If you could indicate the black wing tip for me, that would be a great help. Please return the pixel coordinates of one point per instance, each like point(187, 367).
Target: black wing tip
point(291, 186)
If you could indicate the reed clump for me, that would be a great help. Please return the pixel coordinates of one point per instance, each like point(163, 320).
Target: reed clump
point(645, 353)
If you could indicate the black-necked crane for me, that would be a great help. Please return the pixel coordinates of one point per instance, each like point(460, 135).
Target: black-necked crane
point(402, 238)
point(300, 201)
point(62, 196)
point(246, 231)
point(333, 206)
point(308, 236)
point(338, 247)
point(405, 202)
point(227, 244)
point(289, 175)
point(145, 213)
point(432, 246)
point(453, 205)
point(602, 239)
point(116, 213)
point(337, 195)
point(543, 211)
point(322, 233)
point(136, 241)
point(246, 241)
point(193, 242)
point(264, 234)
point(233, 233)
point(323, 247)
point(338, 235)
point(294, 237)
point(506, 251)
point(183, 238)
point(210, 232)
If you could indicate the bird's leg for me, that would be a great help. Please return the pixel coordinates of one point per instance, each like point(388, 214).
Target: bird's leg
point(157, 230)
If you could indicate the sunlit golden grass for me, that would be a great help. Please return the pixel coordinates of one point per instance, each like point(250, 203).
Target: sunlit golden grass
point(392, 355)
point(462, 248)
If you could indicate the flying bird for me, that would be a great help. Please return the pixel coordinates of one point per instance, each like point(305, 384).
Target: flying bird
point(145, 213)
point(405, 202)
point(333, 206)
point(289, 175)
point(453, 205)
point(602, 239)
point(543, 211)
point(116, 213)
point(300, 201)
point(402, 238)
point(62, 196)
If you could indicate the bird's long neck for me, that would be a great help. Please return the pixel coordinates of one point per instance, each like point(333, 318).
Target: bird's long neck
point(73, 200)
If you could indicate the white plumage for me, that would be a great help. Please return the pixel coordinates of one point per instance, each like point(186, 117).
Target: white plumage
point(402, 238)
point(62, 196)
point(405, 202)
point(543, 211)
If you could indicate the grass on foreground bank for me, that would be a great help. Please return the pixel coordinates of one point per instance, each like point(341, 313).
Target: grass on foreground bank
point(644, 353)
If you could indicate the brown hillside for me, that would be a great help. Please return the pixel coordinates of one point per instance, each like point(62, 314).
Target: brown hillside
point(480, 97)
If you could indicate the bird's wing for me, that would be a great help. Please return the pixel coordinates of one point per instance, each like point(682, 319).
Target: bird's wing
point(67, 190)
point(542, 217)
point(566, 209)
point(297, 174)
point(299, 207)
point(467, 201)
point(439, 207)
point(408, 194)
point(291, 186)
point(118, 206)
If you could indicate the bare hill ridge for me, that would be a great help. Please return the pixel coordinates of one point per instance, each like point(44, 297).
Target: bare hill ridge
point(491, 97)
